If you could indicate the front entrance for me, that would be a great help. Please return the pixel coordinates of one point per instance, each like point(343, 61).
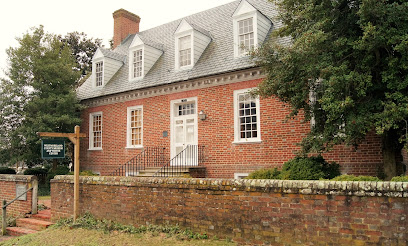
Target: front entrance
point(184, 130)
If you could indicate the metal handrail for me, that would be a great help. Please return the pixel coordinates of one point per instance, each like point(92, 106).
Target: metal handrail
point(149, 157)
point(4, 213)
point(192, 155)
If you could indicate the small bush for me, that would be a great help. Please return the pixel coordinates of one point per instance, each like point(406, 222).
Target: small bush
point(7, 170)
point(272, 173)
point(309, 168)
point(355, 178)
point(84, 173)
point(36, 171)
point(88, 221)
point(400, 179)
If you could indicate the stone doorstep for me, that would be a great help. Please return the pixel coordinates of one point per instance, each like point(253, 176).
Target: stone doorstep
point(36, 223)
point(44, 215)
point(33, 224)
point(18, 231)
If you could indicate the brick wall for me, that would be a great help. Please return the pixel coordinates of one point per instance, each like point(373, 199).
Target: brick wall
point(248, 211)
point(223, 158)
point(8, 185)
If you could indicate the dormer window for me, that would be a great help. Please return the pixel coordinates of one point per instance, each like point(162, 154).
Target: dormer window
point(138, 63)
point(102, 59)
point(250, 27)
point(185, 51)
point(143, 54)
point(99, 74)
point(190, 43)
point(246, 35)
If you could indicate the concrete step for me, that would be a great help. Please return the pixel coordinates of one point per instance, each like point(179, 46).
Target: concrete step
point(19, 231)
point(44, 215)
point(33, 224)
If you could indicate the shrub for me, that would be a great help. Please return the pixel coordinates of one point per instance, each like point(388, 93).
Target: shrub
point(7, 170)
point(84, 173)
point(309, 168)
point(36, 171)
point(400, 179)
point(355, 178)
point(272, 173)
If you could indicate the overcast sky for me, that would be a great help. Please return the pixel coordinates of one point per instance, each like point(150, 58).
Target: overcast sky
point(89, 16)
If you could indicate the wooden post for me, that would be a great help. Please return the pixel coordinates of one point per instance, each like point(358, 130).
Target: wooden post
point(4, 219)
point(76, 172)
point(34, 198)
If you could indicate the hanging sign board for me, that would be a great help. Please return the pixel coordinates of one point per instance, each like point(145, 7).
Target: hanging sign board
point(52, 149)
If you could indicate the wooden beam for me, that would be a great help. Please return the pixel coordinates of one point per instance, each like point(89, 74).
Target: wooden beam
point(60, 135)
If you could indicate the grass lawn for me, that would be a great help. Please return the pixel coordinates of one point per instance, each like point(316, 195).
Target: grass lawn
point(79, 236)
point(44, 198)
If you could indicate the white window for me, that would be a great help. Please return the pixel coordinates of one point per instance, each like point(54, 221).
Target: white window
point(247, 117)
point(135, 127)
point(245, 35)
point(186, 109)
point(95, 131)
point(240, 175)
point(99, 74)
point(185, 51)
point(137, 63)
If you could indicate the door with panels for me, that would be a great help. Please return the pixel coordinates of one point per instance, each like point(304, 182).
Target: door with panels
point(184, 132)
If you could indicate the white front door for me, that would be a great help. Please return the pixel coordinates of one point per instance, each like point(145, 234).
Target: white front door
point(184, 132)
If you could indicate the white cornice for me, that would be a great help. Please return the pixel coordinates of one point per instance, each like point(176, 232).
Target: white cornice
point(194, 84)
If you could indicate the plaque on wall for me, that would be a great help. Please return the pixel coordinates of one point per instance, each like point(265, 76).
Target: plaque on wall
point(20, 189)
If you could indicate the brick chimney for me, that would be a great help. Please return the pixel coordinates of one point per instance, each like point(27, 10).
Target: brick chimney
point(125, 23)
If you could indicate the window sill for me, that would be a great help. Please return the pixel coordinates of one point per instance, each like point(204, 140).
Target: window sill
point(98, 149)
point(134, 147)
point(257, 141)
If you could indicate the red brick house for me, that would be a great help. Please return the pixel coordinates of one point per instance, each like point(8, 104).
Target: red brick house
point(186, 83)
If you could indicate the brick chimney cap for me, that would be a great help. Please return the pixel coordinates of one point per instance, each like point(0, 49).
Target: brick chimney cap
point(126, 14)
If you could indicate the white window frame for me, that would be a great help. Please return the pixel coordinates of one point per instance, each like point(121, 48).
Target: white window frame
point(96, 75)
point(243, 50)
point(129, 131)
point(237, 135)
point(240, 175)
point(237, 45)
point(177, 49)
point(91, 132)
point(131, 62)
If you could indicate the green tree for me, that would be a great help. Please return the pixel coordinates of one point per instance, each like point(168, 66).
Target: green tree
point(38, 95)
point(83, 49)
point(352, 57)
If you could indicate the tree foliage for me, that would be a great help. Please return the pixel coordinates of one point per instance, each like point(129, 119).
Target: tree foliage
point(38, 95)
point(83, 49)
point(352, 56)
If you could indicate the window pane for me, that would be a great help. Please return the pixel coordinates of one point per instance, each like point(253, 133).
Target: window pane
point(136, 127)
point(96, 131)
point(247, 116)
point(245, 35)
point(99, 74)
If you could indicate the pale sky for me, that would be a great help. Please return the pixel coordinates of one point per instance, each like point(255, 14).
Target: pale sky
point(89, 16)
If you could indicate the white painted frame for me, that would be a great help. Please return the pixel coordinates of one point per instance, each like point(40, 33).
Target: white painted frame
point(91, 135)
point(94, 72)
point(237, 138)
point(131, 51)
point(239, 175)
point(177, 49)
point(173, 104)
point(129, 132)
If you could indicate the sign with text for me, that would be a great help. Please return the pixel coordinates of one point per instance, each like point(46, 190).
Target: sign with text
point(52, 149)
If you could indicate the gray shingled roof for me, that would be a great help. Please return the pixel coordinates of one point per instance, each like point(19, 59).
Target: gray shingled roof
point(217, 58)
point(113, 55)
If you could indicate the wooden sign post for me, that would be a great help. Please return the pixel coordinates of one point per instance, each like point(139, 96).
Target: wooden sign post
point(74, 137)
